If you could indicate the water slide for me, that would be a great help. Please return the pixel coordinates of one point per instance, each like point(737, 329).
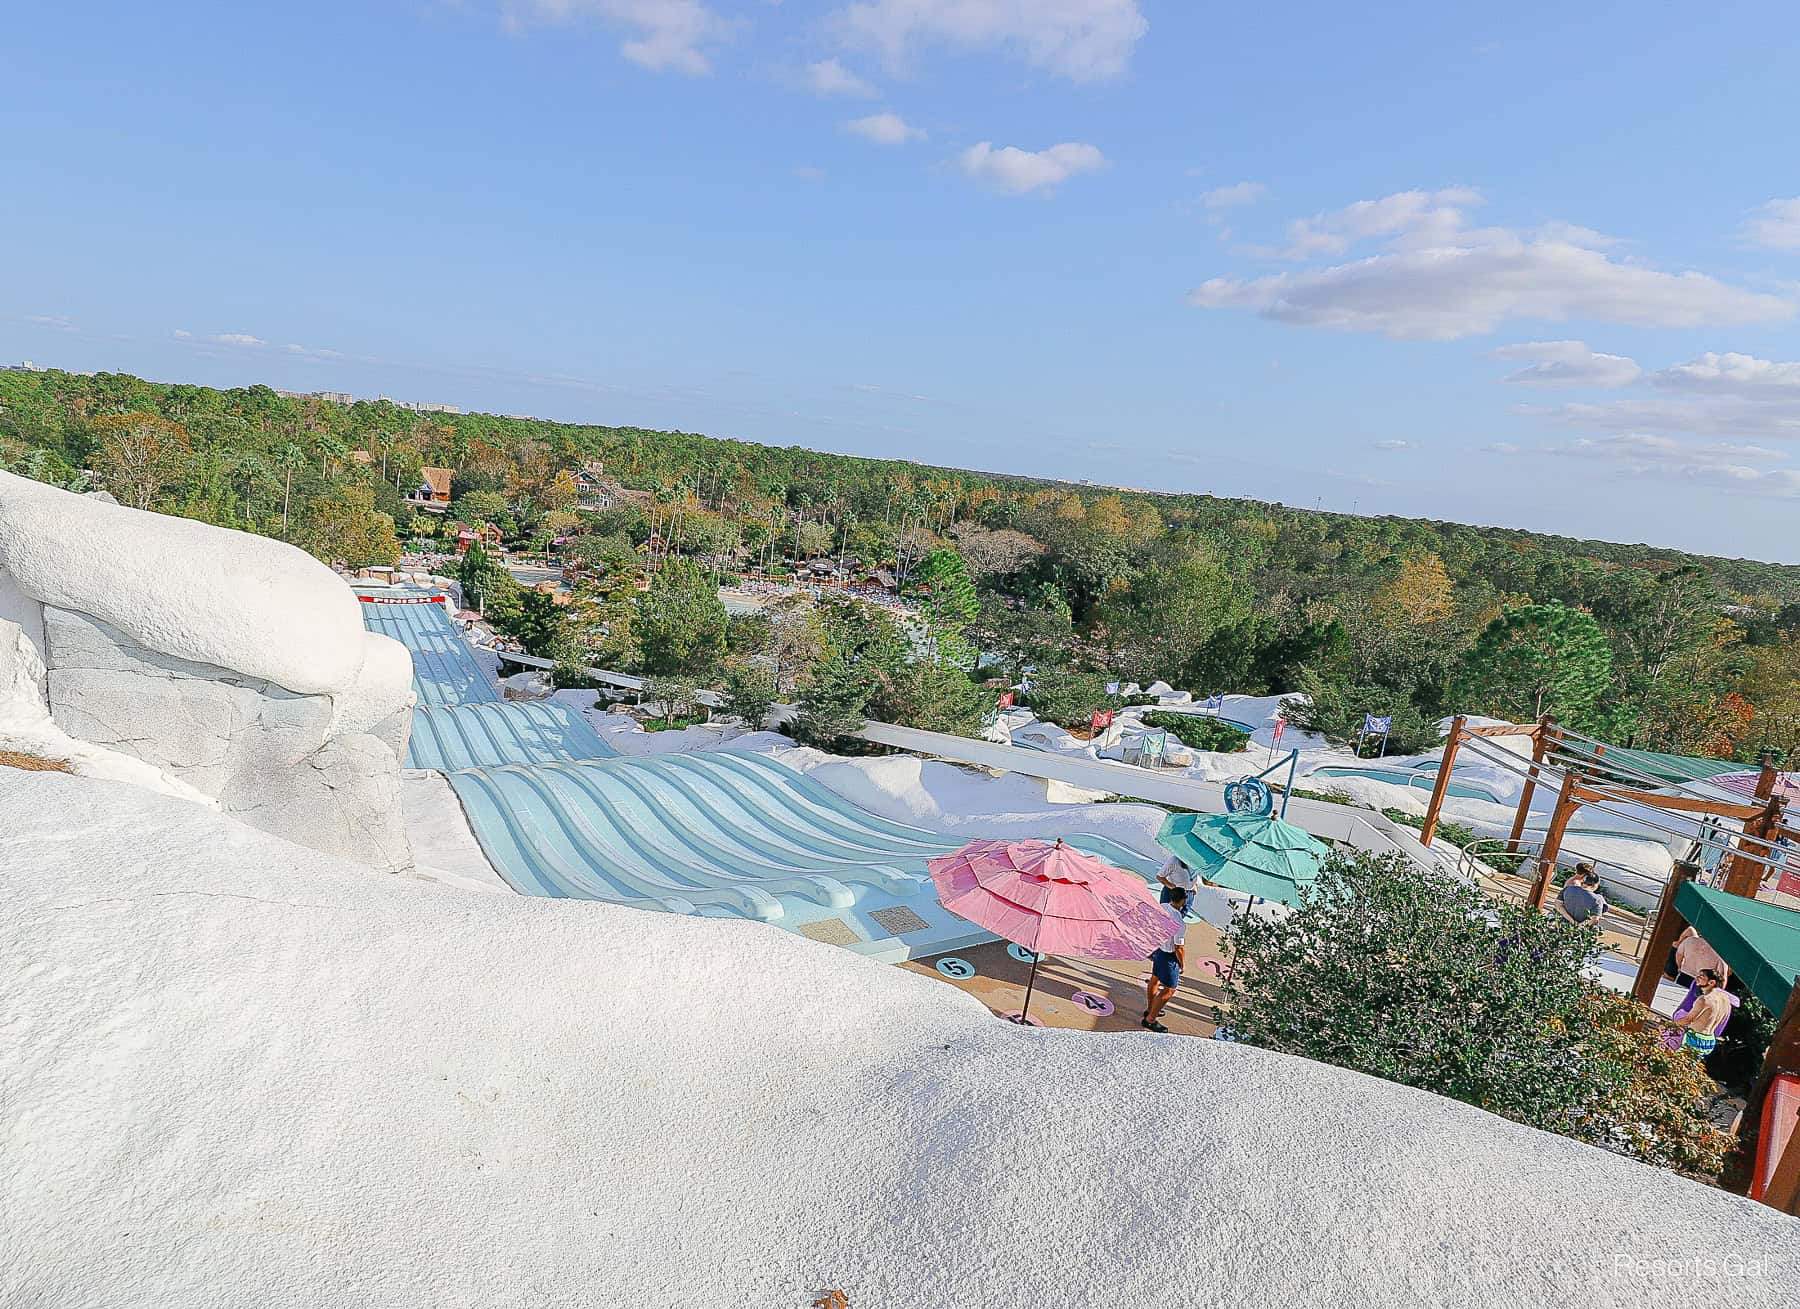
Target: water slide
point(444, 672)
point(716, 833)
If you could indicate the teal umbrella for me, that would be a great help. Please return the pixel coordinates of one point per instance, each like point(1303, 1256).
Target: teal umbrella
point(1250, 852)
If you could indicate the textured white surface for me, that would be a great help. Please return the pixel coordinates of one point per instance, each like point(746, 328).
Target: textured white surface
point(26, 726)
point(237, 1072)
point(383, 686)
point(183, 588)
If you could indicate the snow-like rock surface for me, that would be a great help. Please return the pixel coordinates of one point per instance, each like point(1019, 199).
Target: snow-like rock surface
point(27, 727)
point(382, 689)
point(241, 1073)
point(183, 588)
point(211, 664)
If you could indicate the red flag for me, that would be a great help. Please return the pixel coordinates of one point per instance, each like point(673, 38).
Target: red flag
point(1006, 701)
point(1102, 719)
point(1280, 727)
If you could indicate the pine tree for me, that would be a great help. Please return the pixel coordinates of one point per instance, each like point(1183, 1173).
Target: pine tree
point(1538, 659)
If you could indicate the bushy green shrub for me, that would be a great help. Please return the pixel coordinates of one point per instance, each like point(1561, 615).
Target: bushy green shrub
point(749, 694)
point(1200, 733)
point(1388, 969)
point(1071, 699)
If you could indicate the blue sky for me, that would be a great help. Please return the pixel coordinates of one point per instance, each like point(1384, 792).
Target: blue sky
point(1537, 267)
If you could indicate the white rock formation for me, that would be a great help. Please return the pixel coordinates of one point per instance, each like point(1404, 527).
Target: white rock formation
point(226, 667)
point(237, 1073)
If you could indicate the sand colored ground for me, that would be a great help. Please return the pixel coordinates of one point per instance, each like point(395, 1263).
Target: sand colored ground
point(999, 983)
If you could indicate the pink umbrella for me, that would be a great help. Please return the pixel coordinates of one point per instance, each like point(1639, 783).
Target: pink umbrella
point(1052, 900)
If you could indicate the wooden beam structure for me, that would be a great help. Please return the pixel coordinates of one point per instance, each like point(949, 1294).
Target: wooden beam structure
point(1540, 742)
point(1668, 925)
point(1743, 875)
point(1566, 805)
point(1686, 804)
point(1441, 787)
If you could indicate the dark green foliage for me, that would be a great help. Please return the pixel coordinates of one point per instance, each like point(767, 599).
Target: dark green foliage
point(1198, 732)
point(1335, 710)
point(681, 622)
point(1071, 698)
point(1538, 659)
point(749, 694)
point(540, 627)
point(1388, 969)
point(835, 703)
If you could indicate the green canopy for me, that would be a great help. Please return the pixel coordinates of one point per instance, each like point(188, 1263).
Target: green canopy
point(1254, 853)
point(1674, 769)
point(1759, 942)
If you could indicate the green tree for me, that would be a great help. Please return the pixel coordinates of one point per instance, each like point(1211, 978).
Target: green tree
point(1538, 659)
point(603, 554)
point(479, 507)
point(749, 694)
point(484, 581)
point(835, 702)
point(681, 622)
point(343, 524)
point(1388, 969)
point(541, 627)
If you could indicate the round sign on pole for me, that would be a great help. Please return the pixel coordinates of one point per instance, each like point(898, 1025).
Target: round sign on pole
point(1020, 953)
point(957, 970)
point(1097, 1005)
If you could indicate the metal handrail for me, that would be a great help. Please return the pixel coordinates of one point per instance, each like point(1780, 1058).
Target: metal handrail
point(1476, 852)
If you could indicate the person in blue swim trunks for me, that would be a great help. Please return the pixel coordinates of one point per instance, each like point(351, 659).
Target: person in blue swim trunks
point(1166, 962)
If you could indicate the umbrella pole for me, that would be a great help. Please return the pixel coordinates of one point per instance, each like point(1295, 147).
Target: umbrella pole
point(1025, 1010)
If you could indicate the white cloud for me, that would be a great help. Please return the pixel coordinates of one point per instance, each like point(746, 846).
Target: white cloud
point(809, 173)
point(1774, 225)
point(1395, 444)
point(1423, 218)
point(182, 334)
point(1017, 171)
point(1082, 40)
point(1733, 397)
point(1503, 448)
point(667, 34)
point(830, 77)
point(1229, 197)
point(1733, 374)
point(1439, 279)
point(884, 129)
point(237, 338)
point(1567, 363)
point(1729, 465)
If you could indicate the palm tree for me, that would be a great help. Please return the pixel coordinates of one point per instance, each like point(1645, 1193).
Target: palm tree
point(288, 458)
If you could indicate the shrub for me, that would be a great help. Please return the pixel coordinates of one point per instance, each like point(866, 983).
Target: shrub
point(1335, 710)
point(749, 694)
point(1071, 699)
point(1200, 733)
point(1390, 970)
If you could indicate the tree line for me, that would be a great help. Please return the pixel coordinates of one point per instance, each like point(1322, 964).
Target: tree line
point(1073, 586)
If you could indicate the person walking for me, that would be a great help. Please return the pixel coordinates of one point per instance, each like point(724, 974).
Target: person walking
point(1175, 876)
point(1166, 962)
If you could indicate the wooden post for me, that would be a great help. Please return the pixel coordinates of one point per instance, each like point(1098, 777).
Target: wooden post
point(1442, 786)
point(1669, 924)
point(1566, 804)
point(1744, 875)
point(1540, 742)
